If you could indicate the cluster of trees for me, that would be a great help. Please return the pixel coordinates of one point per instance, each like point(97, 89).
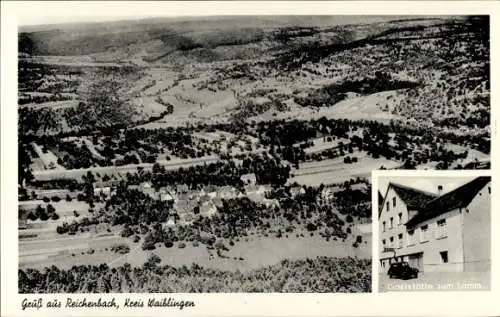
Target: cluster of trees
point(120, 248)
point(24, 173)
point(319, 275)
point(76, 156)
point(38, 121)
point(103, 104)
point(333, 93)
point(235, 218)
point(249, 107)
point(349, 160)
point(55, 199)
point(299, 53)
point(286, 34)
point(74, 227)
point(31, 77)
point(267, 170)
point(458, 51)
point(289, 139)
point(132, 207)
point(170, 107)
point(44, 214)
point(59, 183)
point(177, 141)
point(459, 96)
point(147, 144)
point(286, 140)
point(311, 212)
point(354, 202)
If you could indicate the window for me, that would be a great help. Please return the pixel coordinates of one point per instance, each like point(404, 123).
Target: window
point(383, 226)
point(394, 202)
point(441, 229)
point(388, 206)
point(391, 223)
point(383, 242)
point(411, 237)
point(400, 240)
point(391, 242)
point(400, 218)
point(424, 233)
point(444, 256)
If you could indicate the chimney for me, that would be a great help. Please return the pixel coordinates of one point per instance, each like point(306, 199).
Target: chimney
point(440, 190)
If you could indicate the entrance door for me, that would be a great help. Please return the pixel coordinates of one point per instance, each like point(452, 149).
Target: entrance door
point(417, 260)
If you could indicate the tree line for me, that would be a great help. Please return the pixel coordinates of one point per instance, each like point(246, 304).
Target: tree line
point(318, 275)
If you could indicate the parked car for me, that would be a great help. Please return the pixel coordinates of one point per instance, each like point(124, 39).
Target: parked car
point(402, 270)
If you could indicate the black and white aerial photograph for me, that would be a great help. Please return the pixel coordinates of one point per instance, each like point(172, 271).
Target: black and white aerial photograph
point(234, 153)
point(435, 233)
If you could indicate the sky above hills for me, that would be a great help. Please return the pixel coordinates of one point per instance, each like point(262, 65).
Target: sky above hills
point(428, 184)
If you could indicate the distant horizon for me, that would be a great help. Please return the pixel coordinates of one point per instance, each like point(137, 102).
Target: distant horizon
point(44, 23)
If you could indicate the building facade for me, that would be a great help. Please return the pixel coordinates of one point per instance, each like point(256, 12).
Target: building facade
point(449, 232)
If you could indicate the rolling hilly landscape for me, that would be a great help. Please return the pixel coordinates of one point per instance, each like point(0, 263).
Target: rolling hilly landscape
point(230, 149)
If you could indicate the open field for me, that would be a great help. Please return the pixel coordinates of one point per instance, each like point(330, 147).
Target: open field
point(48, 159)
point(256, 253)
point(52, 104)
point(336, 171)
point(321, 145)
point(45, 252)
point(354, 108)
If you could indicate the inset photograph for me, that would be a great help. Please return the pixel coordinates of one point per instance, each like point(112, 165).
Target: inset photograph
point(434, 233)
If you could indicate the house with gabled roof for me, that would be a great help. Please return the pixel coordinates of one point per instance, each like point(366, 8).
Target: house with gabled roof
point(436, 233)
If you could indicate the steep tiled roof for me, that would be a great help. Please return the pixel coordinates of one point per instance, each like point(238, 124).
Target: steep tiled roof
point(461, 197)
point(413, 198)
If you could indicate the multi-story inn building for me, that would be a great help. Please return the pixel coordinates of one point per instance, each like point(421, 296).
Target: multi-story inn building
point(449, 232)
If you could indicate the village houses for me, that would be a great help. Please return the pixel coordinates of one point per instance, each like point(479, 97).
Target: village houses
point(206, 200)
